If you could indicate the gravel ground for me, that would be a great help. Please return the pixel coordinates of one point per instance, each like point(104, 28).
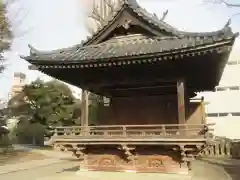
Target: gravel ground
point(68, 170)
point(206, 171)
point(17, 156)
point(57, 169)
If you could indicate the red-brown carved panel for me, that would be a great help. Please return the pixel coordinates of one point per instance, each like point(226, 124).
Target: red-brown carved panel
point(142, 163)
point(156, 163)
point(107, 163)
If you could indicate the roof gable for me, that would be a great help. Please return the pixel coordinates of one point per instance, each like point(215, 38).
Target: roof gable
point(127, 14)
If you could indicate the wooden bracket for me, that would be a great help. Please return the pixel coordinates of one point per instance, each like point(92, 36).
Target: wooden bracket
point(127, 151)
point(79, 151)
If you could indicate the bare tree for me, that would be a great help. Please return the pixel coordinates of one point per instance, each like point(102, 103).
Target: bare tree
point(99, 11)
point(11, 18)
point(5, 32)
point(226, 3)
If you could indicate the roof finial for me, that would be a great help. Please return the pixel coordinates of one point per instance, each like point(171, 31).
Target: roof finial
point(32, 49)
point(22, 56)
point(236, 34)
point(164, 15)
point(228, 23)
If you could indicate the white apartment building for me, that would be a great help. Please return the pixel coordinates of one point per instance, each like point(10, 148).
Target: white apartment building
point(223, 105)
point(19, 80)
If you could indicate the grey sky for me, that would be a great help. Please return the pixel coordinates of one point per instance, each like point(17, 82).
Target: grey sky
point(52, 24)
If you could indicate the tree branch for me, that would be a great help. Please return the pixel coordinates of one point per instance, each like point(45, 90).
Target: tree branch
point(99, 16)
point(9, 25)
point(96, 15)
point(229, 4)
point(224, 2)
point(110, 5)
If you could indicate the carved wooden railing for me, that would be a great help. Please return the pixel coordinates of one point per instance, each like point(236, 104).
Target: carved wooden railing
point(222, 147)
point(135, 131)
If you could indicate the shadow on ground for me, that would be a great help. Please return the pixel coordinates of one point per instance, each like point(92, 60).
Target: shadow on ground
point(72, 169)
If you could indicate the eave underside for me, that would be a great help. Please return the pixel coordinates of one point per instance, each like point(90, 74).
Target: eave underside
point(201, 73)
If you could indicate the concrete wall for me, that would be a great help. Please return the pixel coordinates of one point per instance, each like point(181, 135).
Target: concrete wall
point(224, 105)
point(18, 83)
point(228, 126)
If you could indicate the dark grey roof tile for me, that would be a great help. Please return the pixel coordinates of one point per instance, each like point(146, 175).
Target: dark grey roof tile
point(130, 45)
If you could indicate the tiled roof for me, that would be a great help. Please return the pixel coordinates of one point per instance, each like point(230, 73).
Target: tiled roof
point(130, 45)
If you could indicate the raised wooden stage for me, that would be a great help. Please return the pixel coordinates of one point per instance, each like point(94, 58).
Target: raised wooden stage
point(137, 148)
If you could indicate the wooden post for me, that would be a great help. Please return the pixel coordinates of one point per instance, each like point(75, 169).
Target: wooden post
point(181, 102)
point(203, 110)
point(181, 106)
point(84, 110)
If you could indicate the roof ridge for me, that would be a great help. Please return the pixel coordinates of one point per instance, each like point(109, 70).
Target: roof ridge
point(123, 38)
point(134, 5)
point(162, 25)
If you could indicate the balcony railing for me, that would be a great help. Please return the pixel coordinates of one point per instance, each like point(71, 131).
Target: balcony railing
point(134, 131)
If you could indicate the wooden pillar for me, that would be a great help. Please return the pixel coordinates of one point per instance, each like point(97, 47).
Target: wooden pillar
point(181, 101)
point(84, 109)
point(203, 110)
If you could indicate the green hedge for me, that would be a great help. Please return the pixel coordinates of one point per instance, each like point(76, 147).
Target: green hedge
point(5, 144)
point(30, 133)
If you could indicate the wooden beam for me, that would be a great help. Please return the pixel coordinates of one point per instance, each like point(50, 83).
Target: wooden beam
point(144, 87)
point(131, 82)
point(181, 101)
point(141, 92)
point(32, 67)
point(84, 109)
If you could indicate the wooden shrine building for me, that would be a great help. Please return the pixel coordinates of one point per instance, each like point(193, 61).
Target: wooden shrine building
point(149, 71)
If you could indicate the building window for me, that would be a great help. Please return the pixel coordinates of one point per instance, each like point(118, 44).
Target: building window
point(212, 114)
point(221, 89)
point(227, 88)
point(235, 114)
point(223, 114)
point(232, 63)
point(234, 88)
